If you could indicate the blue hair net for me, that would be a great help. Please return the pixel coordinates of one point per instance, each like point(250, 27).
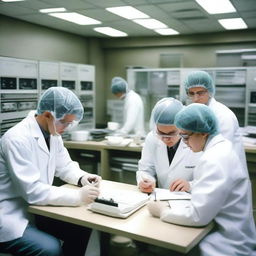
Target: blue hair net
point(197, 118)
point(118, 85)
point(200, 79)
point(165, 110)
point(60, 101)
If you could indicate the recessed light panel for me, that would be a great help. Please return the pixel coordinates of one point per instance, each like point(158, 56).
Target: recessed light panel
point(150, 23)
point(128, 12)
point(110, 31)
point(52, 10)
point(235, 23)
point(217, 6)
point(166, 31)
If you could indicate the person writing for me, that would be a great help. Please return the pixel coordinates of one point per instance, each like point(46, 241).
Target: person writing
point(31, 155)
point(165, 159)
point(200, 88)
point(221, 190)
point(133, 107)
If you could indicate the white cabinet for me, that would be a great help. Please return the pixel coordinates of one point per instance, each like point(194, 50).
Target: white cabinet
point(23, 81)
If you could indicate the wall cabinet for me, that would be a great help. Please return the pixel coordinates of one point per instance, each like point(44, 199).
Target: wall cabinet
point(235, 87)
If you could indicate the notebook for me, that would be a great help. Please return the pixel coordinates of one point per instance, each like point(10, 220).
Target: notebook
point(119, 203)
point(166, 194)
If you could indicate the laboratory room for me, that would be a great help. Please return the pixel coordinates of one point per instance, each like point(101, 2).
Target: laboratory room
point(127, 128)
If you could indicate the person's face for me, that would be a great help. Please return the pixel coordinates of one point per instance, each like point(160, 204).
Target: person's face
point(169, 134)
point(196, 141)
point(120, 95)
point(198, 95)
point(63, 124)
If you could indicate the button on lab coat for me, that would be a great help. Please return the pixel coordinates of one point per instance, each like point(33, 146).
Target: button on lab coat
point(154, 162)
point(221, 192)
point(133, 114)
point(27, 170)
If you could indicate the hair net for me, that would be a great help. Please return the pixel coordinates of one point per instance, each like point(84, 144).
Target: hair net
point(197, 118)
point(200, 79)
point(60, 101)
point(165, 110)
point(119, 85)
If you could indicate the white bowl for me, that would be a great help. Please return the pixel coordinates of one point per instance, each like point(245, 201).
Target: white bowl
point(113, 126)
point(79, 135)
point(114, 140)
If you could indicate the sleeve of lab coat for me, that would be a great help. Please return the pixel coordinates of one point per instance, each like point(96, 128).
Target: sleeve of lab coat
point(66, 169)
point(146, 163)
point(208, 196)
point(26, 177)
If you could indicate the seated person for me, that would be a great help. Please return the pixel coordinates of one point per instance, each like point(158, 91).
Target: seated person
point(165, 159)
point(221, 190)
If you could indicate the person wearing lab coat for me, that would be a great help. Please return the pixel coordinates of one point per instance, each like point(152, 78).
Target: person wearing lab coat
point(221, 190)
point(31, 155)
point(133, 107)
point(200, 88)
point(166, 160)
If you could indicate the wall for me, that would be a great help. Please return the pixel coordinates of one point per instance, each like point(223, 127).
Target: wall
point(198, 50)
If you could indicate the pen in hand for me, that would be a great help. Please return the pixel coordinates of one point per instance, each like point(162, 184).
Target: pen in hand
point(155, 195)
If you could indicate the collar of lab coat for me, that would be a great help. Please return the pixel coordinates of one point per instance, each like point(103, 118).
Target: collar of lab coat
point(36, 132)
point(211, 141)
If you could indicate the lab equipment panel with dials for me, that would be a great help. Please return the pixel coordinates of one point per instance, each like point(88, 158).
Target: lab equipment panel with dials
point(22, 82)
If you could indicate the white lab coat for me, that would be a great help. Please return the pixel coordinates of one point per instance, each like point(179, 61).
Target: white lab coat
point(27, 169)
point(229, 128)
point(221, 192)
point(154, 162)
point(133, 114)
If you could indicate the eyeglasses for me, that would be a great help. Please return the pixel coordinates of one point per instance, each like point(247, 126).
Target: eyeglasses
point(185, 137)
point(166, 135)
point(199, 93)
point(66, 125)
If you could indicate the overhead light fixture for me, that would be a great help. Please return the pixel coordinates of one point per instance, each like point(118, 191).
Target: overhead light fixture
point(127, 12)
point(234, 23)
point(166, 31)
point(75, 18)
point(217, 6)
point(110, 31)
point(150, 23)
point(52, 10)
point(9, 1)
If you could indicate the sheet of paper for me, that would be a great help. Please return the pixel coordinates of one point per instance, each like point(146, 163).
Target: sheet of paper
point(179, 204)
point(166, 194)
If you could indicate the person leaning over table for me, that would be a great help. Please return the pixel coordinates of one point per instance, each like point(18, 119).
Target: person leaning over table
point(221, 190)
point(166, 159)
point(31, 154)
point(200, 88)
point(133, 107)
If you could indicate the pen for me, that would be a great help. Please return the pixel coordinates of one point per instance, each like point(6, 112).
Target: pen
point(155, 195)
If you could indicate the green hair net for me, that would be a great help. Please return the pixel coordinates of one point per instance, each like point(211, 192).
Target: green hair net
point(60, 101)
point(165, 110)
point(197, 118)
point(119, 85)
point(200, 79)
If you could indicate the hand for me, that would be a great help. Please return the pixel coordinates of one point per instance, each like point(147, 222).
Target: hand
point(91, 179)
point(147, 185)
point(180, 185)
point(89, 194)
point(156, 208)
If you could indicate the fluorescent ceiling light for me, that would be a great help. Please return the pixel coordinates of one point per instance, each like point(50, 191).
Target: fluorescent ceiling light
point(52, 10)
point(150, 23)
point(8, 1)
point(128, 12)
point(76, 18)
point(166, 31)
point(217, 6)
point(110, 31)
point(248, 57)
point(235, 23)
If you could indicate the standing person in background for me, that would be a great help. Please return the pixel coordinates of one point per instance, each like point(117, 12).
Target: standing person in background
point(31, 154)
point(133, 107)
point(165, 159)
point(200, 89)
point(221, 190)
